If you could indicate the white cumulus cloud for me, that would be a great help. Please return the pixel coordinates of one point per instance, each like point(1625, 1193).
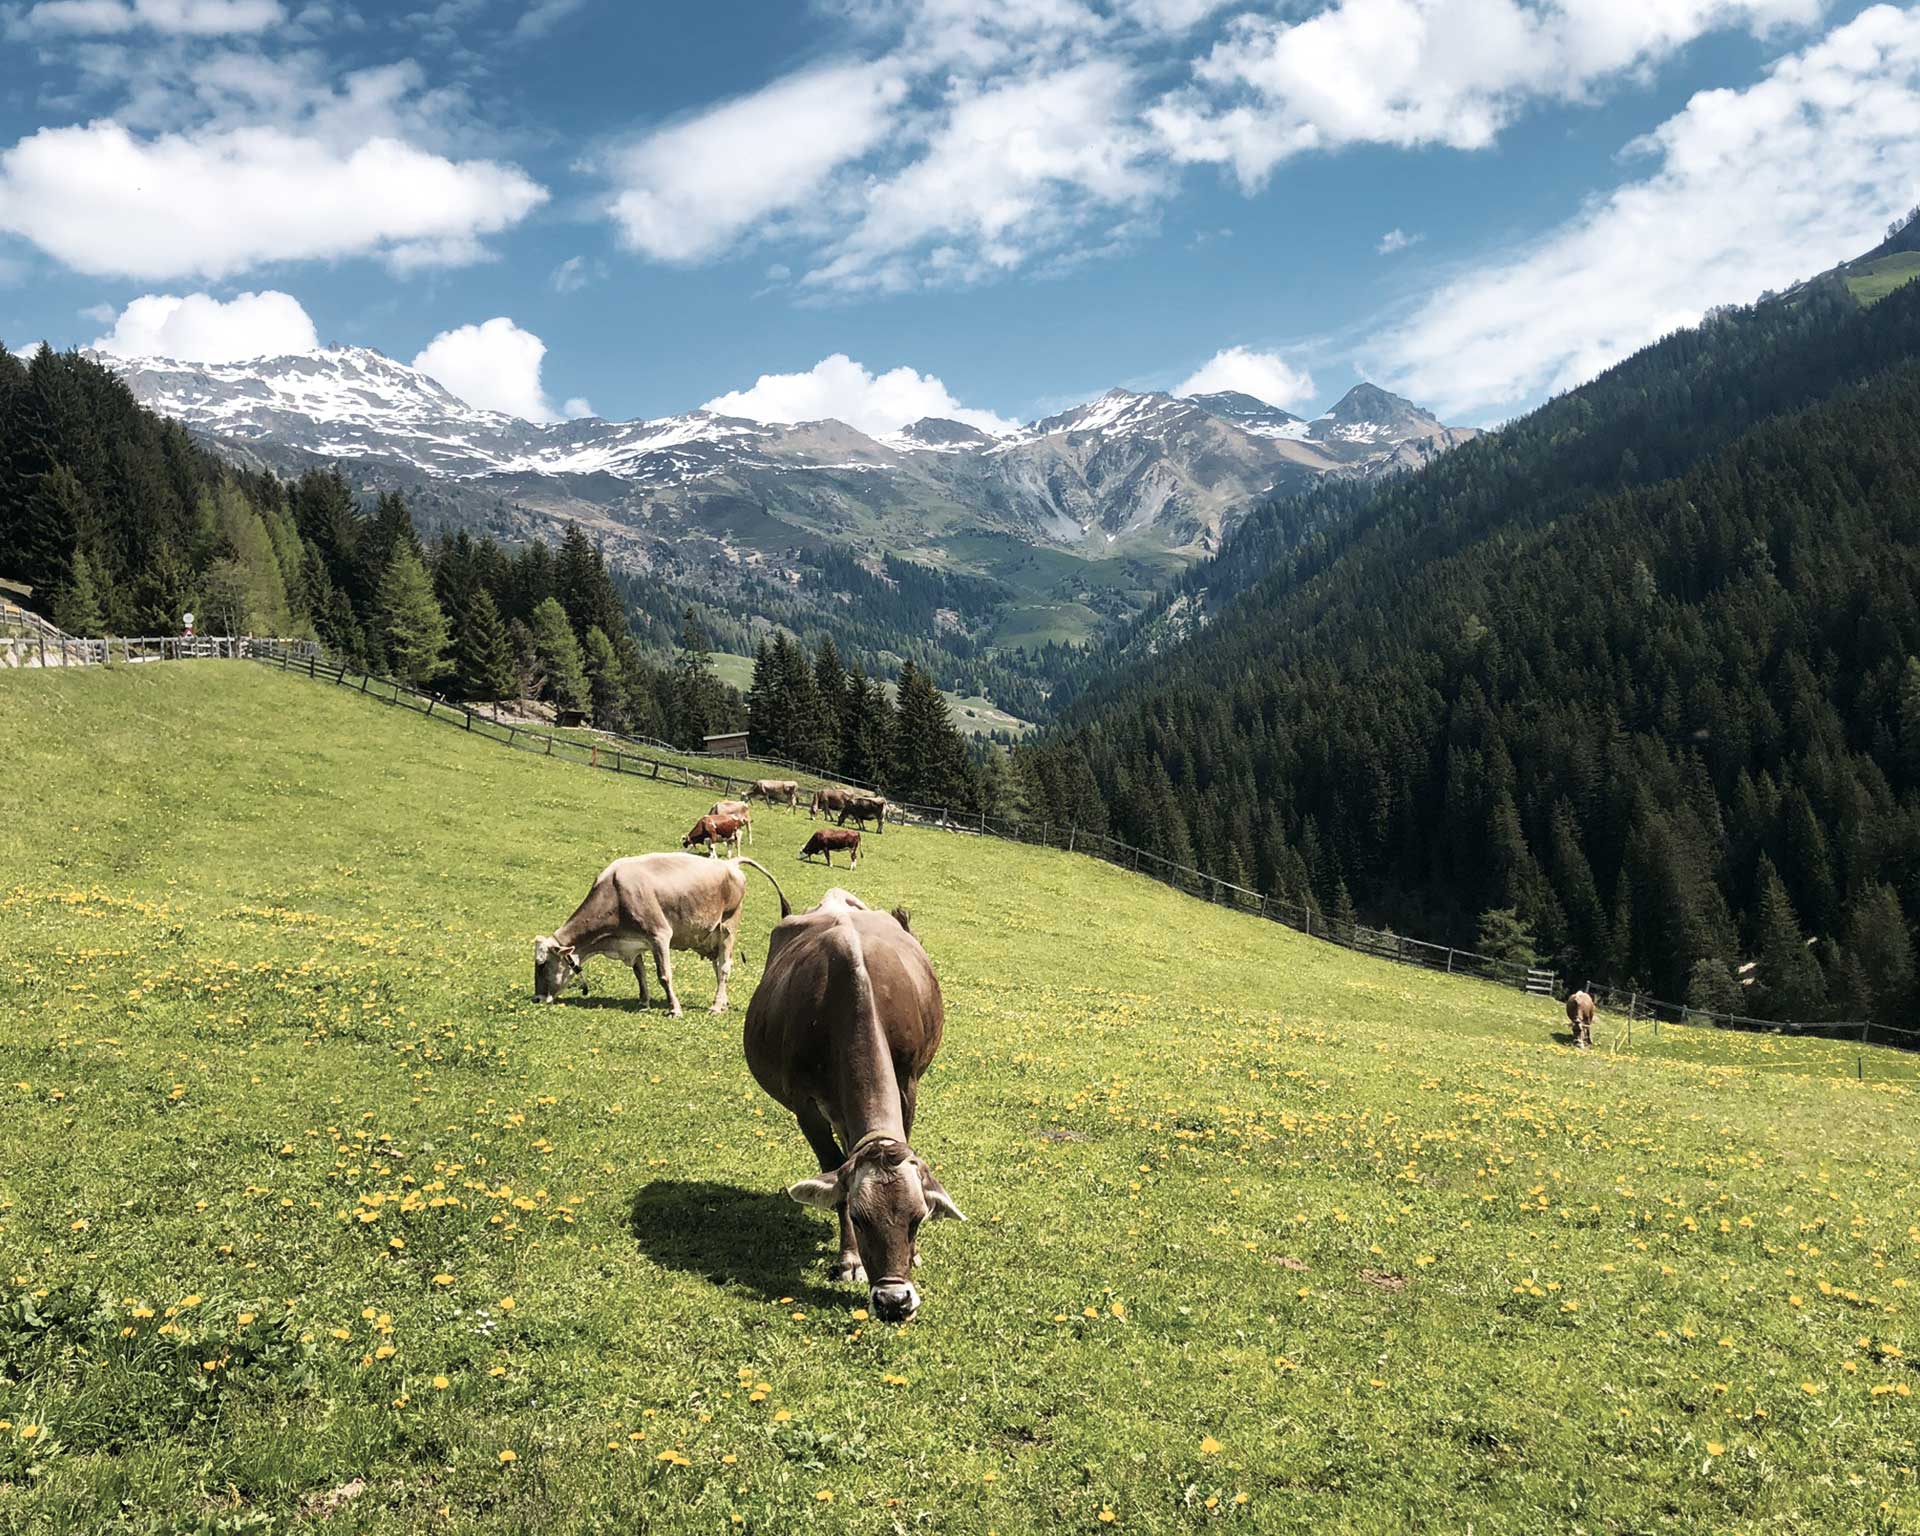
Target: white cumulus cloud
point(692, 189)
point(1016, 167)
point(110, 203)
point(842, 389)
point(494, 365)
point(1265, 375)
point(1396, 240)
point(192, 18)
point(199, 328)
point(1752, 189)
point(1419, 72)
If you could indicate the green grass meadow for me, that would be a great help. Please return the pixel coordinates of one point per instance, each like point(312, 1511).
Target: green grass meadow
point(311, 1219)
point(1874, 281)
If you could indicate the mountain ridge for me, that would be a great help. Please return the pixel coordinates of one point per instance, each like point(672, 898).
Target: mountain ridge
point(1131, 466)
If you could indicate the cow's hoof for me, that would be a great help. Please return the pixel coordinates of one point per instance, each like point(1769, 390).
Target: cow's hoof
point(718, 1008)
point(673, 1013)
point(850, 1270)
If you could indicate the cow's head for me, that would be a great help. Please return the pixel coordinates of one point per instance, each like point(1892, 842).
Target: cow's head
point(888, 1190)
point(555, 968)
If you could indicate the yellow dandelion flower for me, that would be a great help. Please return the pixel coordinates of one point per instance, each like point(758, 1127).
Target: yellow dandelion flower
point(507, 1456)
point(440, 1383)
point(825, 1495)
point(1715, 1448)
point(1209, 1446)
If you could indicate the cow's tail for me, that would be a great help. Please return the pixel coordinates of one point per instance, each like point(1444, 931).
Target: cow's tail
point(786, 907)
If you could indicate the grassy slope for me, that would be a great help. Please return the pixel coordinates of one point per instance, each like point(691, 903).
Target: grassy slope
point(1874, 281)
point(1250, 1217)
point(985, 717)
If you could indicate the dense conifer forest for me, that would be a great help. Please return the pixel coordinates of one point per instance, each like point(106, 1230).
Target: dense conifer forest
point(1631, 685)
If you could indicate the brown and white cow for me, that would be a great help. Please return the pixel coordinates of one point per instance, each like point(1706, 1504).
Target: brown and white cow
point(713, 831)
point(739, 810)
point(829, 839)
point(844, 1022)
point(651, 905)
point(1580, 1016)
point(776, 792)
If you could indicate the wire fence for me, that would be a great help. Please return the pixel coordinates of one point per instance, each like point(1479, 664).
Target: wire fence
point(642, 757)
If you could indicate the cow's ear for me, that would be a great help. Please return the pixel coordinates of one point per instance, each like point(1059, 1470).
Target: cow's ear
point(940, 1206)
point(821, 1192)
point(904, 918)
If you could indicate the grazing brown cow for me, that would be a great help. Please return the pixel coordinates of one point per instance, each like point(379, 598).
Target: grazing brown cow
point(842, 1025)
point(865, 808)
point(827, 839)
point(652, 904)
point(739, 810)
point(828, 800)
point(1580, 1016)
point(776, 792)
point(713, 831)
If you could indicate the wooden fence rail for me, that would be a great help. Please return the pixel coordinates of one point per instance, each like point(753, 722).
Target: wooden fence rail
point(51, 648)
point(624, 755)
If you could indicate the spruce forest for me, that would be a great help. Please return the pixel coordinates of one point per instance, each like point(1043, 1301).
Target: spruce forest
point(1631, 685)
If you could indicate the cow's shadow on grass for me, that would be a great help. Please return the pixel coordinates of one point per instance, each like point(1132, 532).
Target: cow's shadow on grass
point(755, 1239)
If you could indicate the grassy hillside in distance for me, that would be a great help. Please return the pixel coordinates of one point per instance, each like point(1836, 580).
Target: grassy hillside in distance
point(974, 715)
point(1873, 281)
point(299, 1191)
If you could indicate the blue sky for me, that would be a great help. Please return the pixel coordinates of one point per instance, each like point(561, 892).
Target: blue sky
point(880, 209)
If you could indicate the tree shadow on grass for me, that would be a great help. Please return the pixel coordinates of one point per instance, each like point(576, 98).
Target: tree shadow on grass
point(758, 1240)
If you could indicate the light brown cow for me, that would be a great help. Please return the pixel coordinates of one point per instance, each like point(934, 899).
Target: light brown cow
point(776, 792)
point(739, 810)
point(844, 1022)
point(1580, 1016)
point(829, 839)
point(713, 831)
point(652, 904)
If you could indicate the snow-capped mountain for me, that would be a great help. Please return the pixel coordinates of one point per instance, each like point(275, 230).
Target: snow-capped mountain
point(1128, 470)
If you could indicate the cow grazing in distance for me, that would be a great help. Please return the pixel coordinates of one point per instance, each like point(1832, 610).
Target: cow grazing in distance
point(828, 839)
point(651, 905)
point(739, 810)
point(844, 1022)
point(828, 800)
point(713, 831)
point(863, 808)
point(1580, 1016)
point(776, 792)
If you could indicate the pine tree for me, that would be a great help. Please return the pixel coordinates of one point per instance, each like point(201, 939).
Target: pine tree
point(76, 606)
point(1711, 987)
point(829, 701)
point(695, 689)
point(867, 749)
point(562, 674)
point(48, 526)
point(412, 627)
point(1503, 936)
point(483, 655)
point(1790, 984)
point(604, 680)
point(1879, 949)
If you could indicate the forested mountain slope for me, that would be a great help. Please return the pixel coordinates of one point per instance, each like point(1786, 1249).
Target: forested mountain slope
point(1664, 705)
